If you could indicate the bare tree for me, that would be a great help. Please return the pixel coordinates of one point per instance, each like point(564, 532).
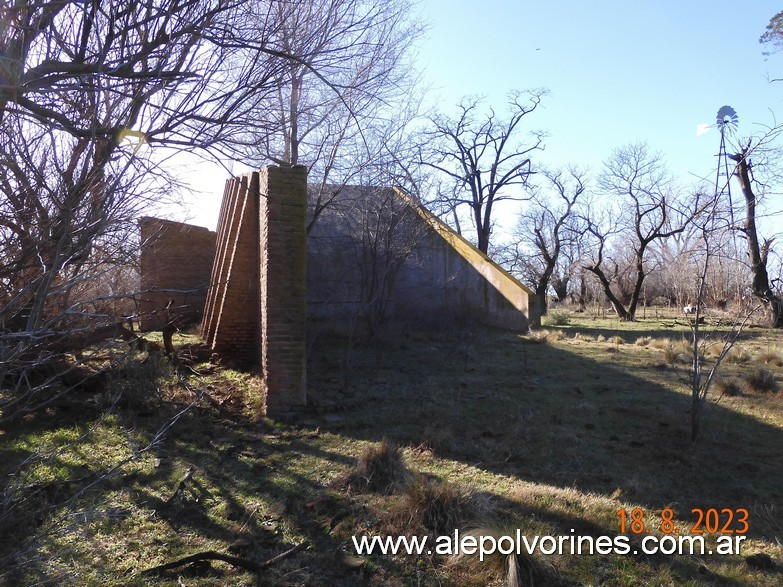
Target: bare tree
point(483, 158)
point(649, 210)
point(348, 73)
point(758, 249)
point(546, 227)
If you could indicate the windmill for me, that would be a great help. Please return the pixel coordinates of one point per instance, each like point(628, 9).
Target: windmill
point(726, 122)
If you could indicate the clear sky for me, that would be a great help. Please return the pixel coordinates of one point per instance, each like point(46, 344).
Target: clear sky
point(616, 71)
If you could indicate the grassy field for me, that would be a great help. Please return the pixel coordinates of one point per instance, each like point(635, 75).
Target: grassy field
point(418, 434)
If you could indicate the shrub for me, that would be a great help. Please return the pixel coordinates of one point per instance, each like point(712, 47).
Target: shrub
point(616, 339)
point(643, 341)
point(557, 318)
point(761, 381)
point(380, 468)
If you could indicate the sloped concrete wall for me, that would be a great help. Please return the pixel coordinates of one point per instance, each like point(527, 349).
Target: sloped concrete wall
point(375, 236)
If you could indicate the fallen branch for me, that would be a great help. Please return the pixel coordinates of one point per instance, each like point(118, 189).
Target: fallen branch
point(243, 563)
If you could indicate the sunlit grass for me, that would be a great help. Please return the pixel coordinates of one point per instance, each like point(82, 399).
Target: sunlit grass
point(503, 434)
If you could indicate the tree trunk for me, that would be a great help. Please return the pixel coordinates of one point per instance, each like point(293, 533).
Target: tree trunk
point(560, 285)
point(541, 288)
point(757, 254)
point(616, 303)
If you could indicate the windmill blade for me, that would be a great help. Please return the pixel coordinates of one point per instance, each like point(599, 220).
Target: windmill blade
point(727, 119)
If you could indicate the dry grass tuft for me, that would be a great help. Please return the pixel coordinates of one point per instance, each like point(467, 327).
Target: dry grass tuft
point(739, 356)
point(600, 338)
point(760, 381)
point(643, 341)
point(617, 339)
point(440, 506)
point(438, 439)
point(381, 468)
point(728, 387)
point(542, 336)
point(539, 336)
point(770, 357)
point(556, 335)
point(675, 353)
point(661, 343)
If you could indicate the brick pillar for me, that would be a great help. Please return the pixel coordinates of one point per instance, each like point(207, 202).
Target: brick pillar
point(283, 280)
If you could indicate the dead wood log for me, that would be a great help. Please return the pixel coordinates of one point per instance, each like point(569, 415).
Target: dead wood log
point(240, 562)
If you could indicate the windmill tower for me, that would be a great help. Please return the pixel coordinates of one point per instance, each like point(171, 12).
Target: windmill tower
point(726, 122)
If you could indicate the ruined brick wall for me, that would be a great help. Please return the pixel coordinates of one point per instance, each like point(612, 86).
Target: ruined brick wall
point(231, 313)
point(255, 313)
point(175, 265)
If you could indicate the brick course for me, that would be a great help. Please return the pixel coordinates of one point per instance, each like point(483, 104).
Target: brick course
point(175, 265)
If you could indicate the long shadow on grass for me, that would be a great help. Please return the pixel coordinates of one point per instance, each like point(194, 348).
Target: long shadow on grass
point(249, 484)
point(547, 415)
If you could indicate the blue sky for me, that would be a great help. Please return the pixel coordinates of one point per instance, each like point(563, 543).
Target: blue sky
point(616, 72)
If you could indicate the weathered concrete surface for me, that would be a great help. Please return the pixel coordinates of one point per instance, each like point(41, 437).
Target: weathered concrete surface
point(376, 249)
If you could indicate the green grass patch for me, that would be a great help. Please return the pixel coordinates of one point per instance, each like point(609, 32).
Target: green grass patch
point(489, 432)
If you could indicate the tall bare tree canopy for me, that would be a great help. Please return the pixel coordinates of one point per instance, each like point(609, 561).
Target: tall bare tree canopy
point(484, 157)
point(84, 86)
point(548, 227)
point(346, 86)
point(644, 208)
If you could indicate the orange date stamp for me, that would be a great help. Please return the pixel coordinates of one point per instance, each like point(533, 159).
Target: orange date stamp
point(711, 521)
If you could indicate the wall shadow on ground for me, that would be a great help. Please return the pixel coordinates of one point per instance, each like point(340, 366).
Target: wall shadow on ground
point(546, 415)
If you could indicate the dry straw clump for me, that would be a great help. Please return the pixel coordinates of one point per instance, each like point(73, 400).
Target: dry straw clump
point(542, 336)
point(729, 387)
point(771, 357)
point(738, 356)
point(675, 353)
point(760, 381)
point(661, 343)
point(516, 569)
point(381, 468)
point(440, 506)
point(643, 341)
